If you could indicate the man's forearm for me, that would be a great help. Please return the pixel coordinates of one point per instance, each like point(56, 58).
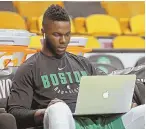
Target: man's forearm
point(24, 117)
point(39, 116)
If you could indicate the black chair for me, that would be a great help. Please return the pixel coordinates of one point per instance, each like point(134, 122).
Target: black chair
point(107, 59)
point(139, 93)
point(140, 61)
point(104, 67)
point(6, 76)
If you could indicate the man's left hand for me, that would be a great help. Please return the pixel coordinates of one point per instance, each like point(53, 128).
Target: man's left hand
point(134, 105)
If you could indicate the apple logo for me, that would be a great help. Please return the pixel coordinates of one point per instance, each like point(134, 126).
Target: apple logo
point(106, 95)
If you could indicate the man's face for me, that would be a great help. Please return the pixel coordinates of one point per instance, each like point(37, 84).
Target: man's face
point(57, 36)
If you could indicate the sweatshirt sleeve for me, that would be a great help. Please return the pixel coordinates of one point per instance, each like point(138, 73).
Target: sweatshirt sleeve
point(139, 93)
point(21, 96)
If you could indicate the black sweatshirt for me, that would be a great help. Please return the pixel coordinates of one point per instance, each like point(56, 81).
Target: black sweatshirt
point(41, 79)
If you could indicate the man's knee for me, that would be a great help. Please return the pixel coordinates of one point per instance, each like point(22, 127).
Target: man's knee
point(136, 112)
point(139, 110)
point(58, 111)
point(58, 116)
point(134, 119)
point(58, 108)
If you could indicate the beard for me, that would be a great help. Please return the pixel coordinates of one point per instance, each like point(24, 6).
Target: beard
point(51, 48)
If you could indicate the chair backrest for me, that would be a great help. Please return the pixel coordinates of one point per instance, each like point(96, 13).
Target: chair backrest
point(6, 76)
point(139, 93)
point(107, 68)
point(106, 59)
point(137, 24)
point(92, 43)
point(123, 9)
point(30, 9)
point(140, 61)
point(73, 30)
point(79, 23)
point(11, 20)
point(128, 42)
point(35, 42)
point(102, 25)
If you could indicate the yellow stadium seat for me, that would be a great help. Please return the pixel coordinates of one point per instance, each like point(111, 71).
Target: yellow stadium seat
point(33, 25)
point(35, 42)
point(79, 23)
point(81, 50)
point(73, 30)
point(11, 20)
point(39, 23)
point(137, 25)
point(102, 25)
point(15, 3)
point(123, 9)
point(78, 50)
point(30, 9)
point(128, 42)
point(92, 42)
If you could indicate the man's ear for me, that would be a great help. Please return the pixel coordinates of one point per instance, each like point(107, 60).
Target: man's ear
point(42, 30)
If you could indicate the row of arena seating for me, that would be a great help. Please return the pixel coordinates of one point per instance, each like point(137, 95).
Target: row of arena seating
point(98, 25)
point(123, 9)
point(13, 41)
point(107, 60)
point(119, 10)
point(128, 21)
point(95, 25)
point(122, 18)
point(118, 42)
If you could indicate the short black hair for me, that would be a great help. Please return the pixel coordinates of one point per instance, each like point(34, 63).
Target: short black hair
point(55, 13)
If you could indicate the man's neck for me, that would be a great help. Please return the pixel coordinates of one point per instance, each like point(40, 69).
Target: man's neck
point(48, 53)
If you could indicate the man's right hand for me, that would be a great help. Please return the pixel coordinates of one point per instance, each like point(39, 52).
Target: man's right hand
point(39, 116)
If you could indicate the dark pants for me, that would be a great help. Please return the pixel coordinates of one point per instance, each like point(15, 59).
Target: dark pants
point(7, 121)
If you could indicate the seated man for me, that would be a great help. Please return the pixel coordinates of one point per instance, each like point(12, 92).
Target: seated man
point(54, 73)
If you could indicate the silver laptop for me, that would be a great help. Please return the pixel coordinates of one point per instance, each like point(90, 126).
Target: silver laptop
point(105, 94)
